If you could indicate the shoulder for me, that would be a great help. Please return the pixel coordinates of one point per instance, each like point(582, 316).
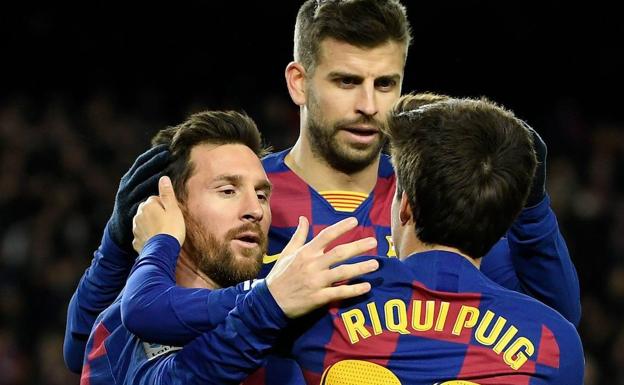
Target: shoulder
point(385, 167)
point(390, 270)
point(553, 327)
point(275, 162)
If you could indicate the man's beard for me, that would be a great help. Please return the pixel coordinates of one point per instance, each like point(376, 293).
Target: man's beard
point(348, 158)
point(217, 260)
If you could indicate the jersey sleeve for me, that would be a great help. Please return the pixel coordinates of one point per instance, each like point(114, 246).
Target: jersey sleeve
point(572, 359)
point(158, 311)
point(537, 262)
point(99, 286)
point(228, 353)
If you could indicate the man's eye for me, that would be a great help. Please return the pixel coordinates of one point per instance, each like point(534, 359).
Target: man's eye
point(262, 196)
point(346, 82)
point(229, 191)
point(385, 83)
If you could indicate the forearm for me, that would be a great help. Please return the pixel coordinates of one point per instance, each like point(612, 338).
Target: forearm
point(226, 354)
point(97, 289)
point(542, 261)
point(158, 311)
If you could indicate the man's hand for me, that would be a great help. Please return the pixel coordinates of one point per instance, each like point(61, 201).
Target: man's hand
point(135, 186)
point(303, 278)
point(538, 187)
point(159, 215)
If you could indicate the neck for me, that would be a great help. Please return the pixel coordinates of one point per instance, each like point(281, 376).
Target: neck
point(321, 176)
point(188, 275)
point(414, 245)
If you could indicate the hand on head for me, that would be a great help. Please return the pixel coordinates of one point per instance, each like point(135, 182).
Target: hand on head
point(159, 215)
point(139, 182)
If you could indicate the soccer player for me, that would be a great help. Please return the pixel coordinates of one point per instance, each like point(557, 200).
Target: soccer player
point(224, 194)
point(345, 77)
point(464, 170)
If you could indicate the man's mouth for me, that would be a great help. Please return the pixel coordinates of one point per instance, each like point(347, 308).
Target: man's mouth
point(248, 239)
point(362, 130)
point(361, 133)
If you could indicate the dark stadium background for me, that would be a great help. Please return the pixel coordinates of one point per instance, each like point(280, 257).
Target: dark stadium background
point(84, 86)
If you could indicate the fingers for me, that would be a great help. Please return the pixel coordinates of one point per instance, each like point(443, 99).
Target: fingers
point(166, 193)
point(342, 292)
point(144, 190)
point(299, 237)
point(332, 233)
point(345, 251)
point(137, 245)
point(152, 166)
point(349, 271)
point(144, 157)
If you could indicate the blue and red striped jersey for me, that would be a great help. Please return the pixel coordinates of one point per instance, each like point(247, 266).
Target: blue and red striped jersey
point(533, 252)
point(434, 319)
point(292, 197)
point(234, 341)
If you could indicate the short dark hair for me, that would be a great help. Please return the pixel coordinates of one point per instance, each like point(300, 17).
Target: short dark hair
point(362, 23)
point(466, 167)
point(213, 127)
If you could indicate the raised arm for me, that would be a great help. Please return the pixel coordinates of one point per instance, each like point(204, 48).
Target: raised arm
point(534, 258)
point(153, 307)
point(156, 310)
point(103, 280)
point(300, 282)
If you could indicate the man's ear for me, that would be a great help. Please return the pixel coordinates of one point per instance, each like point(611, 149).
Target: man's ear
point(295, 81)
point(405, 210)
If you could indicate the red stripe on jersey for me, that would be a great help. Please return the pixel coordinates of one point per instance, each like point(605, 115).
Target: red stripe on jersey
point(256, 378)
point(85, 376)
point(383, 194)
point(483, 366)
point(455, 303)
point(98, 349)
point(311, 377)
point(353, 235)
point(548, 349)
point(289, 190)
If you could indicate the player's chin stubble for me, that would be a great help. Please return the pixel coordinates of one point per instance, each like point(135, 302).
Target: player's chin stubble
point(217, 260)
point(344, 157)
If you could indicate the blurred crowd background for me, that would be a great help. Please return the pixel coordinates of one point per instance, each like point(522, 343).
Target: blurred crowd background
point(83, 87)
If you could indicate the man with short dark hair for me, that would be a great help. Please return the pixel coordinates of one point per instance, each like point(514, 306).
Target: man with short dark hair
point(224, 217)
point(345, 78)
point(348, 68)
point(464, 170)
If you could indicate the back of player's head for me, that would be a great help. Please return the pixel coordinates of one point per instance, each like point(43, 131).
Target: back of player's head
point(362, 23)
point(207, 127)
point(466, 167)
point(415, 100)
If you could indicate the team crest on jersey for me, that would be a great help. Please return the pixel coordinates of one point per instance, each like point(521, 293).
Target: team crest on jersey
point(156, 350)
